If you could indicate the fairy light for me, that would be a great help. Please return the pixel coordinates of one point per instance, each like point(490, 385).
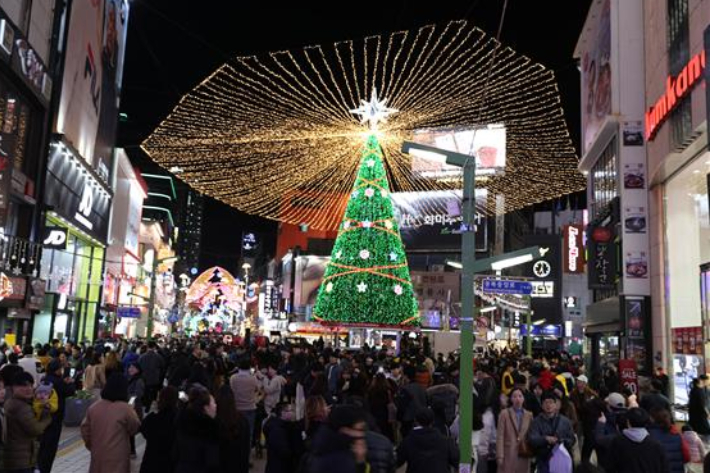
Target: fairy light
point(272, 135)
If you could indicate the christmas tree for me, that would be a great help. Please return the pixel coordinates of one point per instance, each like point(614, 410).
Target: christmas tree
point(367, 279)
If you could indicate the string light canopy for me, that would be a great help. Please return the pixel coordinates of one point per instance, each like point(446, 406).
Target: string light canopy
point(273, 135)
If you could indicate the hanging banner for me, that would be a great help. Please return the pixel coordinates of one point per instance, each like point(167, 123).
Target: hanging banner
point(628, 375)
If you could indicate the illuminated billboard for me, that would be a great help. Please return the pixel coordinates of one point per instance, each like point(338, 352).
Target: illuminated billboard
point(486, 144)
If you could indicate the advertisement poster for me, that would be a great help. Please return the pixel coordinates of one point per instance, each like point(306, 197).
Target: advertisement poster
point(628, 375)
point(634, 176)
point(596, 77)
point(487, 144)
point(91, 87)
point(635, 318)
point(432, 220)
point(636, 264)
point(435, 292)
point(632, 133)
point(635, 220)
point(309, 275)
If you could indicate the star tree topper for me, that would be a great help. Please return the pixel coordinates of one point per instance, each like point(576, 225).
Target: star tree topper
point(374, 111)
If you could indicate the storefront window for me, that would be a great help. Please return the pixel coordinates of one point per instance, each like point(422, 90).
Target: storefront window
point(604, 179)
point(687, 241)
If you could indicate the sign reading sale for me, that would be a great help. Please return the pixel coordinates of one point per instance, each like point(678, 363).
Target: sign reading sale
point(629, 375)
point(573, 249)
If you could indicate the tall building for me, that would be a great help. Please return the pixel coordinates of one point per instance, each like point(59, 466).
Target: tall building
point(190, 234)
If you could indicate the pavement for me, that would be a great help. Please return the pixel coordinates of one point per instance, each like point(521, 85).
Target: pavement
point(73, 457)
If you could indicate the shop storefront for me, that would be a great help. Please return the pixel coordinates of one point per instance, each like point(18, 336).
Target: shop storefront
point(72, 263)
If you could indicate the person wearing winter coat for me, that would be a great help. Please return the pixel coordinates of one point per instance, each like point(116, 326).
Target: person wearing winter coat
point(513, 425)
point(696, 449)
point(64, 387)
point(548, 430)
point(340, 446)
point(23, 429)
point(235, 439)
point(108, 427)
point(486, 445)
point(663, 431)
point(380, 453)
point(425, 450)
point(634, 450)
point(444, 395)
point(698, 411)
point(158, 429)
point(197, 440)
point(284, 443)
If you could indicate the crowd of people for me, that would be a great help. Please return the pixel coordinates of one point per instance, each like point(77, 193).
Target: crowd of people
point(206, 406)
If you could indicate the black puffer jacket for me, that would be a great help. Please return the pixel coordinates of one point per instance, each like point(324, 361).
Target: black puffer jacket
point(196, 444)
point(380, 453)
point(330, 452)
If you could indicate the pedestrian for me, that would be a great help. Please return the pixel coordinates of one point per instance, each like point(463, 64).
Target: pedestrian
point(152, 366)
point(235, 440)
point(512, 450)
point(245, 388)
point(64, 387)
point(696, 449)
point(655, 398)
point(380, 400)
point(284, 444)
point(409, 399)
point(425, 450)
point(95, 375)
point(197, 442)
point(634, 450)
point(663, 431)
point(30, 364)
point(22, 429)
point(136, 391)
point(108, 427)
point(380, 453)
point(550, 431)
point(486, 442)
point(158, 429)
point(315, 416)
point(272, 385)
point(698, 412)
point(340, 446)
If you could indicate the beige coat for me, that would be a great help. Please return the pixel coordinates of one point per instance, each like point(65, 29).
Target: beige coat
point(106, 431)
point(507, 442)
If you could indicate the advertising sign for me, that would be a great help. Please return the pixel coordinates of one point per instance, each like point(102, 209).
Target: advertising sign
point(432, 220)
point(486, 144)
point(75, 195)
point(91, 86)
point(596, 76)
point(573, 251)
point(602, 266)
point(309, 275)
point(628, 375)
point(55, 238)
point(434, 292)
point(129, 312)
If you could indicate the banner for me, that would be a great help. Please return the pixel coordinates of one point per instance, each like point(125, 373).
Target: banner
point(91, 86)
point(628, 374)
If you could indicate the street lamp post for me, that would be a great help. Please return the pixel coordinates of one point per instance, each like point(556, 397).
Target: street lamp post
point(468, 260)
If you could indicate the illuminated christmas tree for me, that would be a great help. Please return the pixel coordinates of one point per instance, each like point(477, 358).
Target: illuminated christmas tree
point(367, 281)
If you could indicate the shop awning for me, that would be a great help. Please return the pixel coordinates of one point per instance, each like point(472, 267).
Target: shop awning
point(603, 316)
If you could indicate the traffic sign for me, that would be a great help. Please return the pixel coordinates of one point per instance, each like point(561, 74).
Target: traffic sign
point(129, 312)
point(506, 286)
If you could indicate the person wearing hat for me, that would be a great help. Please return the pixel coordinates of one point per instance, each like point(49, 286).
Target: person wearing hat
point(609, 425)
point(549, 430)
point(23, 428)
point(64, 387)
point(581, 396)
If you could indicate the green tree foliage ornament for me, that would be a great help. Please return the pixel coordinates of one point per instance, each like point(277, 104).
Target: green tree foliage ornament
point(367, 280)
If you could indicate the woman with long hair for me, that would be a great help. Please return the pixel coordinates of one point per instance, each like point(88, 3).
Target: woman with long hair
point(112, 364)
point(108, 427)
point(197, 442)
point(158, 428)
point(316, 413)
point(664, 432)
point(513, 424)
point(234, 433)
point(379, 401)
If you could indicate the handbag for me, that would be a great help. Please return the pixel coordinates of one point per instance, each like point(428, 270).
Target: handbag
point(524, 449)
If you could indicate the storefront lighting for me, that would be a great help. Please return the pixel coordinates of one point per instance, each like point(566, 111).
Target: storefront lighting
point(539, 322)
point(454, 264)
point(510, 262)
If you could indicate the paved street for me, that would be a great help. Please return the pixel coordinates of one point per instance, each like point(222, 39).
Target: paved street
point(73, 457)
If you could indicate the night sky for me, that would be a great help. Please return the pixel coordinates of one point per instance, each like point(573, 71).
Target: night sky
point(173, 45)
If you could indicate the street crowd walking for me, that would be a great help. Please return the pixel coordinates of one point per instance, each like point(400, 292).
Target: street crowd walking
point(206, 406)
